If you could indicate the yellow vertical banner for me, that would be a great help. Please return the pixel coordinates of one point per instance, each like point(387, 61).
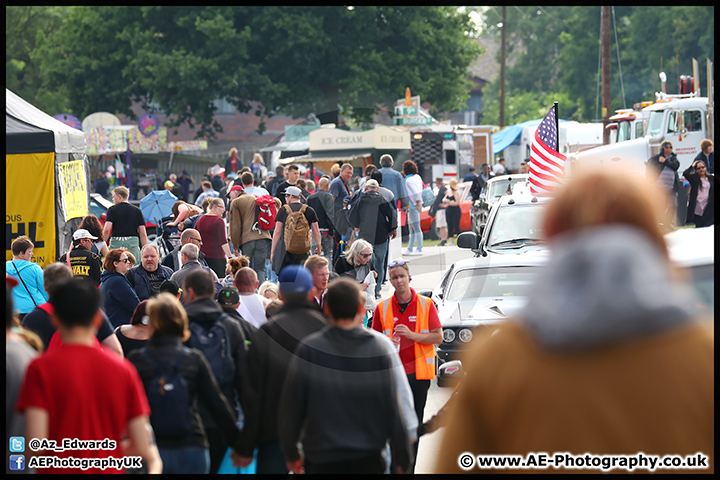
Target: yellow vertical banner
point(73, 189)
point(30, 203)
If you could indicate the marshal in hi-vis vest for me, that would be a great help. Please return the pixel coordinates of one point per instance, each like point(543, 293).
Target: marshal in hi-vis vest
point(424, 353)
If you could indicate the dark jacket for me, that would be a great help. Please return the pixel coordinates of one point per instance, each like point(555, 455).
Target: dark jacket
point(84, 264)
point(248, 329)
point(343, 268)
point(138, 278)
point(268, 358)
point(477, 185)
point(708, 215)
point(438, 200)
point(202, 387)
point(352, 368)
point(374, 216)
point(653, 167)
point(205, 311)
point(171, 260)
point(119, 298)
point(323, 204)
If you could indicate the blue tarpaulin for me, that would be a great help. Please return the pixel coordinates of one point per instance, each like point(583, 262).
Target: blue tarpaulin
point(506, 136)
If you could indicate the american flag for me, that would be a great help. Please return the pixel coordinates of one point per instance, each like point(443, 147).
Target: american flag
point(546, 164)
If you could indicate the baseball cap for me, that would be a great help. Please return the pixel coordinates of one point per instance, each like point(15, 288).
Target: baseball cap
point(168, 183)
point(82, 233)
point(270, 174)
point(372, 183)
point(235, 188)
point(295, 279)
point(294, 191)
point(228, 296)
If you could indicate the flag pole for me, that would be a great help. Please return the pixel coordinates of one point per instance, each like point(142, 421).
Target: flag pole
point(557, 126)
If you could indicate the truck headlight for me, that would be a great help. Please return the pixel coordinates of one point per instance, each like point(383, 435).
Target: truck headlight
point(448, 335)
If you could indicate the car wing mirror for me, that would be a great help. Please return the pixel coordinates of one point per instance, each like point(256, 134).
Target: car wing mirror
point(467, 240)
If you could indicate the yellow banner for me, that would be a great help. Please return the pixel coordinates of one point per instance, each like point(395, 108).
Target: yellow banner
point(30, 201)
point(73, 189)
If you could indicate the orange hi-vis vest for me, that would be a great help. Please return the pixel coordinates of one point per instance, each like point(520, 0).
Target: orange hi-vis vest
point(424, 353)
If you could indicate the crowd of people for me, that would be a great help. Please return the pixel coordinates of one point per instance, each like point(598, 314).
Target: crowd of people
point(227, 348)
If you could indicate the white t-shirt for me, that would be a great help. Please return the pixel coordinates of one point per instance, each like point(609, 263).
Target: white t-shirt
point(414, 186)
point(252, 309)
point(499, 169)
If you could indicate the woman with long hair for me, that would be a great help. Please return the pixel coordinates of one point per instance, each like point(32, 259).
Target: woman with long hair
point(183, 211)
point(92, 224)
point(701, 203)
point(357, 264)
point(180, 434)
point(214, 234)
point(452, 209)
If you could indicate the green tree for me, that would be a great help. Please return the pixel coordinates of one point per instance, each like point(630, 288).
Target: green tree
point(294, 60)
point(26, 28)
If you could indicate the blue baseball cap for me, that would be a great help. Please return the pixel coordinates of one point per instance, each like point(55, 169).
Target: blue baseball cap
point(295, 279)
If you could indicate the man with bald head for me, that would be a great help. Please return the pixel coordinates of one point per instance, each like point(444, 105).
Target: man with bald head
point(322, 202)
point(173, 259)
point(252, 306)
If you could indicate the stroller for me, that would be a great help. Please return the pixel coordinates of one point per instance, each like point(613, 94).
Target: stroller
point(168, 237)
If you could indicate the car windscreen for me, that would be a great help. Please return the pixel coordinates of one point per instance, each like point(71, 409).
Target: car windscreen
point(499, 188)
point(515, 222)
point(491, 282)
point(96, 209)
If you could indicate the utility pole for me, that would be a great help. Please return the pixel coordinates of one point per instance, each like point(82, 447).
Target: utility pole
point(606, 73)
point(502, 68)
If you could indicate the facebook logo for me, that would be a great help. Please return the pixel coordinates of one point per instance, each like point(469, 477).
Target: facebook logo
point(17, 444)
point(17, 462)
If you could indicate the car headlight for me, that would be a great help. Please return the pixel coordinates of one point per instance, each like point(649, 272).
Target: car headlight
point(448, 335)
point(465, 335)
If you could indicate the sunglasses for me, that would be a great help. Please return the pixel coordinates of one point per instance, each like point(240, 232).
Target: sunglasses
point(396, 263)
point(197, 240)
point(366, 255)
point(700, 167)
point(124, 260)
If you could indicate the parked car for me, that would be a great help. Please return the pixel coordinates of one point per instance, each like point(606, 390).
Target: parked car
point(513, 226)
point(493, 189)
point(427, 223)
point(693, 250)
point(476, 296)
point(98, 206)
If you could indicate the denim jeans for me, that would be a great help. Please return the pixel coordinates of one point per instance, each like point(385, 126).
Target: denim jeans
point(416, 236)
point(379, 255)
point(258, 251)
point(327, 243)
point(269, 272)
point(193, 460)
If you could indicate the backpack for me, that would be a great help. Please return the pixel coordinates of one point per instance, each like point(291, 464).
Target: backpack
point(297, 231)
point(214, 343)
point(428, 197)
point(265, 213)
point(169, 398)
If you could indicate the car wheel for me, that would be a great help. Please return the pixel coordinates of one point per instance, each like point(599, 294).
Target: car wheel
point(432, 233)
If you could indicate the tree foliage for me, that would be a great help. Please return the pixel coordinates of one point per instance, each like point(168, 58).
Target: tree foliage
point(556, 51)
point(293, 60)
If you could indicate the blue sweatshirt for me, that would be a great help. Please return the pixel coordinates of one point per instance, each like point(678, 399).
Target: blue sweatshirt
point(119, 298)
point(32, 275)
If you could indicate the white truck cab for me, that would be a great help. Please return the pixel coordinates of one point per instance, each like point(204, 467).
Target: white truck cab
point(680, 119)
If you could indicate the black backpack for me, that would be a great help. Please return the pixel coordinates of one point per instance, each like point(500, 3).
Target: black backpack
point(214, 343)
point(169, 398)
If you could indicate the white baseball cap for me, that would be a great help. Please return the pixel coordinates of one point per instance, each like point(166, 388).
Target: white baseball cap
point(82, 233)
